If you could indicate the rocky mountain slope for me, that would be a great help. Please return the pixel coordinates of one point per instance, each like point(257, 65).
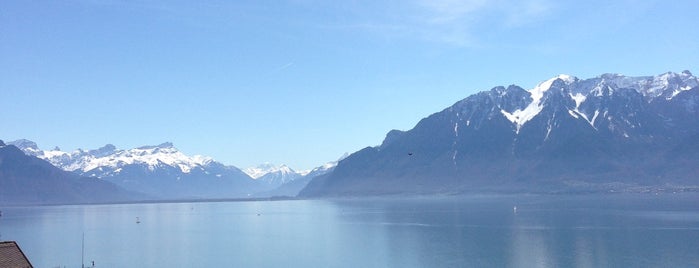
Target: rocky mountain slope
point(160, 171)
point(28, 180)
point(608, 133)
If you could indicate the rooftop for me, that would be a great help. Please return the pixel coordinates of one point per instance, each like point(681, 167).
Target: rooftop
point(11, 256)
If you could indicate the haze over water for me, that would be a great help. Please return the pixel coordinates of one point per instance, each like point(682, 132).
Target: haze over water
point(640, 230)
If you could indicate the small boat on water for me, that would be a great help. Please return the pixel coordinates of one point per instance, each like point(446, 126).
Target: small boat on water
point(138, 220)
point(514, 209)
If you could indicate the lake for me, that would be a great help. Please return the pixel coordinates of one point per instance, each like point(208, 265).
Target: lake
point(619, 230)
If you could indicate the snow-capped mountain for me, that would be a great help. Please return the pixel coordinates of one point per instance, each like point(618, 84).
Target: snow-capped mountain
point(293, 187)
point(273, 175)
point(161, 171)
point(108, 160)
point(28, 180)
point(261, 170)
point(565, 134)
point(325, 168)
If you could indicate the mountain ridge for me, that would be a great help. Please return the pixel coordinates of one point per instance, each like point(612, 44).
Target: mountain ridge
point(163, 172)
point(565, 131)
point(160, 170)
point(25, 179)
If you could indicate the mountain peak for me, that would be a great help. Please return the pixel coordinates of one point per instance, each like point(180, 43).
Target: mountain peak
point(538, 91)
point(267, 168)
point(108, 160)
point(102, 151)
point(164, 145)
point(24, 144)
point(522, 116)
point(108, 146)
point(596, 134)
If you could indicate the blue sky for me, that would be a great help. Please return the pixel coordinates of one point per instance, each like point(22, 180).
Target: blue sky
point(301, 81)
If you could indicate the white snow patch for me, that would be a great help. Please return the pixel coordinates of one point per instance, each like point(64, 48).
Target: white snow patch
point(185, 168)
point(579, 98)
point(52, 154)
point(678, 91)
point(598, 90)
point(267, 168)
point(152, 157)
point(594, 117)
point(520, 117)
point(573, 114)
point(326, 166)
point(509, 116)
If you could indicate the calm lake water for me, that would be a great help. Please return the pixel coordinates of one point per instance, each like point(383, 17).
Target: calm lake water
point(479, 231)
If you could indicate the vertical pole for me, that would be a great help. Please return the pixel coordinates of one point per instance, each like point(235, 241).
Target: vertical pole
point(82, 257)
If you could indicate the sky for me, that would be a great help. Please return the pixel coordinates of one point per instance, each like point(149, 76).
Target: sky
point(301, 82)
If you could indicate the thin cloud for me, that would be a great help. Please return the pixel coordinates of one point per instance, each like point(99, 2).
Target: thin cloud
point(522, 13)
point(285, 66)
point(280, 69)
point(449, 11)
point(453, 22)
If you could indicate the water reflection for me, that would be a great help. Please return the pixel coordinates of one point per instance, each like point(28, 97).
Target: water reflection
point(481, 231)
point(545, 232)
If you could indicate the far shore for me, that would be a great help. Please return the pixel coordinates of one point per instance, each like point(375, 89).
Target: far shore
point(637, 191)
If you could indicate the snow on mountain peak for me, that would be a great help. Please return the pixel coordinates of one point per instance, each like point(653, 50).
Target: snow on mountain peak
point(164, 145)
point(666, 85)
point(259, 170)
point(164, 153)
point(149, 155)
point(326, 166)
point(25, 145)
point(109, 156)
point(686, 81)
point(520, 117)
point(267, 168)
point(102, 151)
point(538, 92)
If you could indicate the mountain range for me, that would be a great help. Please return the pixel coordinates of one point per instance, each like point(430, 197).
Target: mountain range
point(28, 180)
point(608, 133)
point(164, 172)
point(604, 134)
point(273, 175)
point(298, 181)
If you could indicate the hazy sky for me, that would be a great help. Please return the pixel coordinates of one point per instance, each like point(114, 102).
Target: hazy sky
point(301, 81)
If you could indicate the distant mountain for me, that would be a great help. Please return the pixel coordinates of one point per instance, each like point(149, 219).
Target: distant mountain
point(325, 168)
point(608, 133)
point(161, 171)
point(272, 175)
point(29, 180)
point(293, 187)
